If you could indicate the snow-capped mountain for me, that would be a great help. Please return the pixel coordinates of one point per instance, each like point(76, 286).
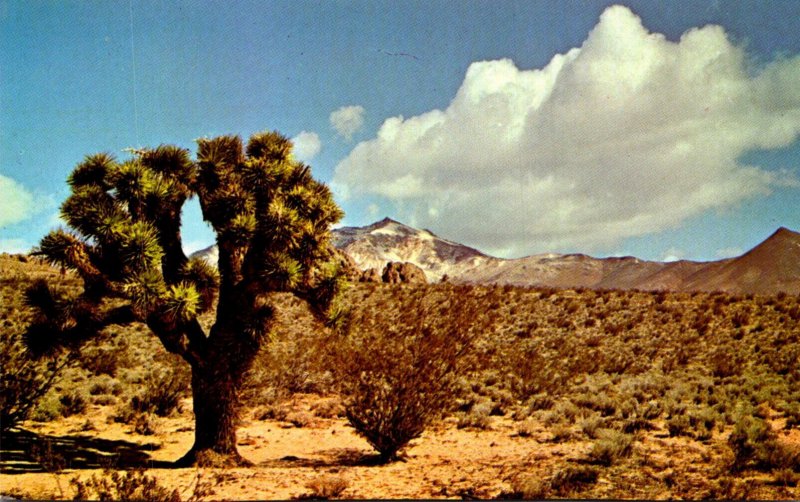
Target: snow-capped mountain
point(770, 267)
point(387, 240)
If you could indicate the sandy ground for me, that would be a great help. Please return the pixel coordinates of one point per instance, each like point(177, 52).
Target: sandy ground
point(446, 462)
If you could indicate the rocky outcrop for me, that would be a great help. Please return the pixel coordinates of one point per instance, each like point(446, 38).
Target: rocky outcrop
point(396, 273)
point(347, 265)
point(370, 275)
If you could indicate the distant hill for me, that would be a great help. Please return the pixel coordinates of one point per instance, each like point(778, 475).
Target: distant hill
point(770, 267)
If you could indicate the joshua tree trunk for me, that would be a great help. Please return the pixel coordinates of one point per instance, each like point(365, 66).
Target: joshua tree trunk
point(215, 396)
point(215, 410)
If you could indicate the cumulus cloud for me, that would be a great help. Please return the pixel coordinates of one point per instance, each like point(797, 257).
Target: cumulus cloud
point(16, 203)
point(626, 135)
point(347, 120)
point(306, 145)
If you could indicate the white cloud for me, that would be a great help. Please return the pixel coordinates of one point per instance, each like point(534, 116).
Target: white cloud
point(16, 203)
point(306, 145)
point(628, 134)
point(347, 120)
point(672, 254)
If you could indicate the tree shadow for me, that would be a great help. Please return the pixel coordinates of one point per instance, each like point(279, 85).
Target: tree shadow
point(336, 457)
point(24, 451)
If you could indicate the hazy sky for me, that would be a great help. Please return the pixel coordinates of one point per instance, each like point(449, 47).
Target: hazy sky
point(659, 129)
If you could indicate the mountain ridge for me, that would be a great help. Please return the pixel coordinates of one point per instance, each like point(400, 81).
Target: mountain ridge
point(770, 267)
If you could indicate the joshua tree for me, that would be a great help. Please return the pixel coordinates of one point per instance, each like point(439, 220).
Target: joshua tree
point(272, 222)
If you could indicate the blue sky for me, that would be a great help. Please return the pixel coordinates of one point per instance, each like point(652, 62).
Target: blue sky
point(517, 127)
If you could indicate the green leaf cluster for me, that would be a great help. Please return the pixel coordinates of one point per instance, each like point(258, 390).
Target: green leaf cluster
point(272, 221)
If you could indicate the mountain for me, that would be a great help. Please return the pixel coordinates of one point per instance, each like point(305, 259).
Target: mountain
point(773, 265)
point(770, 267)
point(388, 240)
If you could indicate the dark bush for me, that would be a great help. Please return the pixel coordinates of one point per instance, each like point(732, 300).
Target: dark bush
point(24, 379)
point(161, 394)
point(755, 444)
point(398, 375)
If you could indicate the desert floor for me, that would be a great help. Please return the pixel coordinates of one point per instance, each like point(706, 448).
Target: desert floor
point(295, 460)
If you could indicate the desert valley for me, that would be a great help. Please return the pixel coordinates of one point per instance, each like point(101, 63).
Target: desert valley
point(580, 378)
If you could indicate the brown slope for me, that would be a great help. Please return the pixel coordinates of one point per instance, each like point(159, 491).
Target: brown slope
point(770, 267)
point(672, 276)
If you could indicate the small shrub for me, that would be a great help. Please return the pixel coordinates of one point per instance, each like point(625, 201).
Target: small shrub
point(564, 483)
point(637, 424)
point(145, 424)
point(326, 487)
point(567, 480)
point(727, 488)
point(73, 403)
point(476, 418)
point(328, 408)
point(529, 488)
point(526, 428)
point(612, 446)
point(591, 426)
point(130, 485)
point(161, 395)
point(755, 444)
point(24, 380)
point(785, 477)
point(106, 359)
point(47, 409)
point(561, 432)
point(678, 425)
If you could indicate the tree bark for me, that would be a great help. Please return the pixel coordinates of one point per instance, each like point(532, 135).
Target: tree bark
point(215, 394)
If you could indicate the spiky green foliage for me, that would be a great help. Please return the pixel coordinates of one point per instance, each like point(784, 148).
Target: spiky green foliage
point(272, 221)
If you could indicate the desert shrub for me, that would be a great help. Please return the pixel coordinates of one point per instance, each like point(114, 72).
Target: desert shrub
point(528, 488)
point(161, 394)
point(47, 408)
point(129, 485)
point(73, 403)
point(678, 425)
point(561, 433)
point(398, 376)
point(755, 444)
point(540, 402)
point(563, 483)
point(526, 428)
point(571, 478)
point(106, 358)
point(476, 418)
point(610, 447)
point(600, 402)
point(637, 424)
point(145, 424)
point(785, 477)
point(792, 413)
point(328, 408)
point(325, 487)
point(104, 386)
point(729, 488)
point(592, 425)
point(24, 379)
point(703, 421)
point(650, 410)
point(725, 362)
